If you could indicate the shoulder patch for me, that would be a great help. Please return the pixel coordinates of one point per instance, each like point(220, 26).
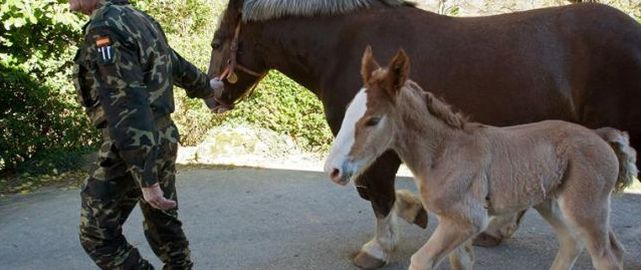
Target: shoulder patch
point(102, 41)
point(105, 51)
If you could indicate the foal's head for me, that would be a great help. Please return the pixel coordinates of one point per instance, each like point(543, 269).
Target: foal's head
point(367, 130)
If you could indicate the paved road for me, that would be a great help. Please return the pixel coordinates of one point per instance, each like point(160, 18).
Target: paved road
point(242, 219)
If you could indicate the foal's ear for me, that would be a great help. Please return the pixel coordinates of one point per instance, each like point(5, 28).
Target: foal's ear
point(368, 64)
point(397, 72)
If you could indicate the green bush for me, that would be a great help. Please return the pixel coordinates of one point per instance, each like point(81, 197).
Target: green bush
point(187, 17)
point(38, 112)
point(37, 125)
point(282, 105)
point(278, 104)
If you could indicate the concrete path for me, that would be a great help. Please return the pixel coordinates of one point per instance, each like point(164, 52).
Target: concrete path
point(242, 219)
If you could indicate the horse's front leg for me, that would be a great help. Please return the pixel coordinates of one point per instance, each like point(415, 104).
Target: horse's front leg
point(377, 251)
point(377, 186)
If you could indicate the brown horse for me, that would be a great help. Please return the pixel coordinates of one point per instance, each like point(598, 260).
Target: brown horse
point(467, 172)
point(580, 63)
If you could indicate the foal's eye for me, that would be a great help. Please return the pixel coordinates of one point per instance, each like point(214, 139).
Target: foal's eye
point(372, 121)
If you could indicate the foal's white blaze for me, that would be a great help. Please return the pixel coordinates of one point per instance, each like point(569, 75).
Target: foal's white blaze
point(345, 139)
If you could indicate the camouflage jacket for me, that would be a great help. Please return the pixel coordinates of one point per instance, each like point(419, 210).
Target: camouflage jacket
point(124, 73)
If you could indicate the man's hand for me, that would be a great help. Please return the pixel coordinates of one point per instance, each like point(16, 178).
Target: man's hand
point(155, 197)
point(217, 87)
point(216, 84)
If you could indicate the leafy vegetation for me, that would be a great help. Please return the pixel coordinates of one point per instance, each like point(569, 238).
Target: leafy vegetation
point(38, 112)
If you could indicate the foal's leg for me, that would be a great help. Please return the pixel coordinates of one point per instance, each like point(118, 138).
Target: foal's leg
point(617, 248)
point(377, 185)
point(589, 215)
point(500, 228)
point(462, 258)
point(449, 235)
point(569, 245)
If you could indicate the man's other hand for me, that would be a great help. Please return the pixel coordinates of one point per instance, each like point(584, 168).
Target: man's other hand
point(155, 197)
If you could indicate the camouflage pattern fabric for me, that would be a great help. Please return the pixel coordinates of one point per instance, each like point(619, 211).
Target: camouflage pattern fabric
point(109, 196)
point(124, 74)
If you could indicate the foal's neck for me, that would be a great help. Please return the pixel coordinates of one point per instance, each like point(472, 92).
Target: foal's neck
point(421, 137)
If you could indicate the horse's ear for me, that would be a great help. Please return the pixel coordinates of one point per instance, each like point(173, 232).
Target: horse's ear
point(368, 64)
point(397, 73)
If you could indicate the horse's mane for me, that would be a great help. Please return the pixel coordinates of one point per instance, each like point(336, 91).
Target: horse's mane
point(438, 108)
point(260, 10)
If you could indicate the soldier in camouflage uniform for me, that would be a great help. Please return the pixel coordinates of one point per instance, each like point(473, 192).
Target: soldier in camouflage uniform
point(124, 73)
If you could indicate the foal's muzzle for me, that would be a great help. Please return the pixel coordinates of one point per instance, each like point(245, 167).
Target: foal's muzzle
point(341, 174)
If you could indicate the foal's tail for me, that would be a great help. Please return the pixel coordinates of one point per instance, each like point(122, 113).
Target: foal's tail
point(626, 155)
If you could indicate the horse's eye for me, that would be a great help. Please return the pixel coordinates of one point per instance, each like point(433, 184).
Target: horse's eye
point(372, 121)
point(215, 45)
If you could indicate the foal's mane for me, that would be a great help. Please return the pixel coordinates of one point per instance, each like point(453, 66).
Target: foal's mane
point(260, 10)
point(438, 108)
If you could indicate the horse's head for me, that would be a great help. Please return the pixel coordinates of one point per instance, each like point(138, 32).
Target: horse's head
point(234, 65)
point(368, 129)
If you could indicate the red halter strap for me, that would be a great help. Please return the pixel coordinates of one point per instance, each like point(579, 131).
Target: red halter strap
point(233, 65)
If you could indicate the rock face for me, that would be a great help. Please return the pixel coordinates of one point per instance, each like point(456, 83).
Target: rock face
point(245, 146)
point(229, 141)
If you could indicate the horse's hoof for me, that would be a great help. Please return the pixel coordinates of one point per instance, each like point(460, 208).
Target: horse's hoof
point(486, 240)
point(363, 260)
point(421, 218)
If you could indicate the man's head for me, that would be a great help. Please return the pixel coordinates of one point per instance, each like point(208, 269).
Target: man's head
point(83, 6)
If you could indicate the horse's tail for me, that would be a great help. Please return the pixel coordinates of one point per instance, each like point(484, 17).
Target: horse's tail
point(627, 156)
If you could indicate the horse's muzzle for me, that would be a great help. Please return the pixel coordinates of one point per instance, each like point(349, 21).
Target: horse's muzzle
point(213, 102)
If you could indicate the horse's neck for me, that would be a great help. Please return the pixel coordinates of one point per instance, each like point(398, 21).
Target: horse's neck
point(301, 48)
point(318, 51)
point(420, 137)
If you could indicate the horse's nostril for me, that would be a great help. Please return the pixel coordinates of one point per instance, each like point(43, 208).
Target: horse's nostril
point(336, 173)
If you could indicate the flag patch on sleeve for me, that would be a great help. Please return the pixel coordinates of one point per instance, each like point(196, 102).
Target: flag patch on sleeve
point(103, 41)
point(105, 50)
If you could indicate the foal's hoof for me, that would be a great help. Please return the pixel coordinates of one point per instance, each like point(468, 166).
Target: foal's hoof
point(486, 240)
point(365, 261)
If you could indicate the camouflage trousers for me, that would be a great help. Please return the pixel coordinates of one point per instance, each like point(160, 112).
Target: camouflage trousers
point(109, 196)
